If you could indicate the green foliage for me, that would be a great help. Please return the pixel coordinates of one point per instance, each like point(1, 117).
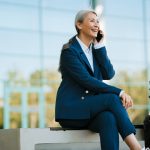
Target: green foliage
point(1, 118)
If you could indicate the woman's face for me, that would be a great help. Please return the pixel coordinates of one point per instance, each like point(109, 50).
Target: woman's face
point(90, 25)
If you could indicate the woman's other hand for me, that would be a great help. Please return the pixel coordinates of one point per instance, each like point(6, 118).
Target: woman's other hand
point(126, 100)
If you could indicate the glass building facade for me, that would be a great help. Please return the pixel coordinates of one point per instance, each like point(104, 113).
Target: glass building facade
point(31, 36)
point(127, 27)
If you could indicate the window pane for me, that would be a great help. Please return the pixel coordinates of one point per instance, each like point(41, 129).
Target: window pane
point(122, 50)
point(57, 21)
point(51, 64)
point(27, 2)
point(63, 4)
point(130, 67)
point(124, 28)
point(12, 16)
point(24, 67)
point(1, 91)
point(19, 42)
point(148, 9)
point(128, 8)
point(148, 55)
point(148, 30)
point(53, 43)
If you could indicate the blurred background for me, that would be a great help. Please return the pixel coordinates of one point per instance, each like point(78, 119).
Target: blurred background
point(32, 33)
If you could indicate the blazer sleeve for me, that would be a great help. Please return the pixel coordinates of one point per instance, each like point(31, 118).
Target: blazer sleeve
point(104, 63)
point(72, 66)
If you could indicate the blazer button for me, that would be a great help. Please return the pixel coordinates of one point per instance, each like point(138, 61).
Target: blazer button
point(82, 97)
point(86, 91)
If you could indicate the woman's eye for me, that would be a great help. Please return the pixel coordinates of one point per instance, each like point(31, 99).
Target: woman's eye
point(95, 21)
point(92, 20)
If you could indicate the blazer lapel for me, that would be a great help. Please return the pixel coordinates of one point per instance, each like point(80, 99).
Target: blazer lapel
point(97, 71)
point(95, 66)
point(75, 45)
point(85, 60)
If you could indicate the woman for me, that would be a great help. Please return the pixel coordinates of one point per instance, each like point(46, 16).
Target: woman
point(83, 99)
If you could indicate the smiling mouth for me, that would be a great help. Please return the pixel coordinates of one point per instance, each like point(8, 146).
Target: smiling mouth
point(94, 30)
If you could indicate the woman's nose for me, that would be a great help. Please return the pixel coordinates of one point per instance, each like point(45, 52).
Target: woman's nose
point(96, 25)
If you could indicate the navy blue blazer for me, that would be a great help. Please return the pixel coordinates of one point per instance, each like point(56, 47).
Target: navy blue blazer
point(79, 81)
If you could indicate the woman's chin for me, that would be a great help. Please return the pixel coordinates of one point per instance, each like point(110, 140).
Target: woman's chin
point(94, 35)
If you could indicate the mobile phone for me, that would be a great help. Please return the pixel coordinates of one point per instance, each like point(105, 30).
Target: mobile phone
point(100, 35)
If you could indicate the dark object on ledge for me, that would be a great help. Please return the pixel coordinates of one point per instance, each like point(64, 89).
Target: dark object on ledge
point(147, 131)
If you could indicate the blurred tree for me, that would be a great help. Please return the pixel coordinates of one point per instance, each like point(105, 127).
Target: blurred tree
point(15, 77)
point(47, 80)
point(1, 118)
point(134, 84)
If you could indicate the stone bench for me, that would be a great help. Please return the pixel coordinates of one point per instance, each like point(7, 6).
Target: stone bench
point(54, 139)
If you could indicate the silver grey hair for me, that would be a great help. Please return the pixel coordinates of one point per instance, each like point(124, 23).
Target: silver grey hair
point(80, 17)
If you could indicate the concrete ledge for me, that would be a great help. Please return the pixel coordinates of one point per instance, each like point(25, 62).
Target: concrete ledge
point(35, 139)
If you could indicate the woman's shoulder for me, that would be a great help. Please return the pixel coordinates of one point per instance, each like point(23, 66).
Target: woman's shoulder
point(68, 44)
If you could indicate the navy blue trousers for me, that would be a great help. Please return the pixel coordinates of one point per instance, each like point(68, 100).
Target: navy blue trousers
point(108, 118)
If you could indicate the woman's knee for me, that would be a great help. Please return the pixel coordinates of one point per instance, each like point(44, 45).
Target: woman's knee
point(107, 118)
point(104, 121)
point(115, 99)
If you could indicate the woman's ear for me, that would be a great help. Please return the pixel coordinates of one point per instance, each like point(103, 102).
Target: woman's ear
point(79, 25)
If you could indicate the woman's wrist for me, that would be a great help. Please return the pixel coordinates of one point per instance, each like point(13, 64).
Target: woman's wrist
point(98, 45)
point(122, 91)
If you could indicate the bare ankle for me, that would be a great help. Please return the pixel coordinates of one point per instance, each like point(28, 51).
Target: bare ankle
point(132, 142)
point(136, 148)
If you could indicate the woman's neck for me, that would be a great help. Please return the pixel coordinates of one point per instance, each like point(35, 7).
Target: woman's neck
point(86, 40)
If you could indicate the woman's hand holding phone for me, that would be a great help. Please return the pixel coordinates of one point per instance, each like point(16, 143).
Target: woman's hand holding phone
point(99, 37)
